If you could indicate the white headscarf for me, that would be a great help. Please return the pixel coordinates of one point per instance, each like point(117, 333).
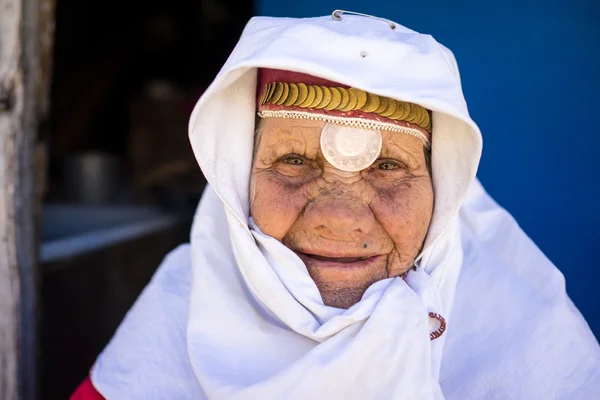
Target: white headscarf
point(236, 315)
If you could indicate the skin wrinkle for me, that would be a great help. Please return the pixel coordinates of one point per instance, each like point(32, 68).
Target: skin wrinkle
point(312, 207)
point(385, 153)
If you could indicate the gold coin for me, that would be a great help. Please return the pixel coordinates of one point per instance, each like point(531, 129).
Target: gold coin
point(292, 96)
point(326, 97)
point(336, 99)
point(310, 97)
point(372, 103)
point(263, 97)
point(269, 88)
point(318, 96)
point(419, 117)
point(421, 121)
point(399, 110)
point(419, 114)
point(383, 103)
point(413, 114)
point(284, 95)
point(345, 98)
point(277, 92)
point(405, 110)
point(391, 108)
point(352, 101)
point(302, 94)
point(271, 91)
point(361, 98)
point(427, 120)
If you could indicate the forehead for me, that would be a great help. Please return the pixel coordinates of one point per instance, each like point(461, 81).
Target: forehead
point(290, 128)
point(305, 132)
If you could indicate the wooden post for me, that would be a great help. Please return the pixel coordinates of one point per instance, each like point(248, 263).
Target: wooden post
point(19, 72)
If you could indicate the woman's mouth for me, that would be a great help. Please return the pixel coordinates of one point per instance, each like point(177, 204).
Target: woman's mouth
point(347, 261)
point(336, 259)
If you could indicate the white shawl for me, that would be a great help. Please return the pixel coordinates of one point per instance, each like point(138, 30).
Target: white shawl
point(236, 315)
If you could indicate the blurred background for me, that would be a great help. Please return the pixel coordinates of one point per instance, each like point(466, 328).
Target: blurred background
point(121, 183)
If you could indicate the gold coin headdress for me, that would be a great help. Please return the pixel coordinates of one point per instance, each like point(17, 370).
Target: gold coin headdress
point(351, 139)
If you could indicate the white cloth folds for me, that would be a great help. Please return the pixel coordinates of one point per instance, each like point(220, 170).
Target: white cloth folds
point(251, 323)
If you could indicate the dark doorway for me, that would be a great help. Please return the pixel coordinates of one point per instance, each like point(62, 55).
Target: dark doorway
point(126, 76)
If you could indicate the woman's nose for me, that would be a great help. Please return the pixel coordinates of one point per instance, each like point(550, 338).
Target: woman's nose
point(346, 219)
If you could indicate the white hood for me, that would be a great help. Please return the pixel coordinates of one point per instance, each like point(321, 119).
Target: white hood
point(256, 327)
point(399, 63)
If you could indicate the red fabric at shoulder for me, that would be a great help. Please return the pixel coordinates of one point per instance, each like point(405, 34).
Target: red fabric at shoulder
point(87, 391)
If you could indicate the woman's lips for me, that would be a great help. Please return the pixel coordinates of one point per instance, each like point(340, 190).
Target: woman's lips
point(337, 259)
point(326, 261)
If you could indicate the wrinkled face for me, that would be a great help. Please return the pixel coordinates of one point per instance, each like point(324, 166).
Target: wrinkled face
point(351, 229)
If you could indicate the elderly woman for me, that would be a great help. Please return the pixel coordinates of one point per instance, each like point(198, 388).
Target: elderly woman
point(344, 248)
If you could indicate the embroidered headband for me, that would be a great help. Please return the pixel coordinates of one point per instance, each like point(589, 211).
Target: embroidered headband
point(351, 139)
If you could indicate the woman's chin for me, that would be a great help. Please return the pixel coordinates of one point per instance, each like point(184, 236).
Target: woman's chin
point(343, 284)
point(343, 297)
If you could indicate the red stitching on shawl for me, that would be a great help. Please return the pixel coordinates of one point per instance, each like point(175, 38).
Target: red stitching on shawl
point(440, 331)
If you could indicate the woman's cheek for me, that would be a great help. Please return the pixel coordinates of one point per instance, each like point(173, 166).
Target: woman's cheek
point(404, 213)
point(276, 204)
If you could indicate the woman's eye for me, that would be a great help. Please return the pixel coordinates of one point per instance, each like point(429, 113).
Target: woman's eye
point(294, 160)
point(386, 165)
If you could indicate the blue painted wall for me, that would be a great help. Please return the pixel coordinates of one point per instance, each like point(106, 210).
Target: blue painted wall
point(531, 76)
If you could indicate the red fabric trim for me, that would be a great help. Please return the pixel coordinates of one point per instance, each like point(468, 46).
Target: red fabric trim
point(268, 75)
point(86, 391)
